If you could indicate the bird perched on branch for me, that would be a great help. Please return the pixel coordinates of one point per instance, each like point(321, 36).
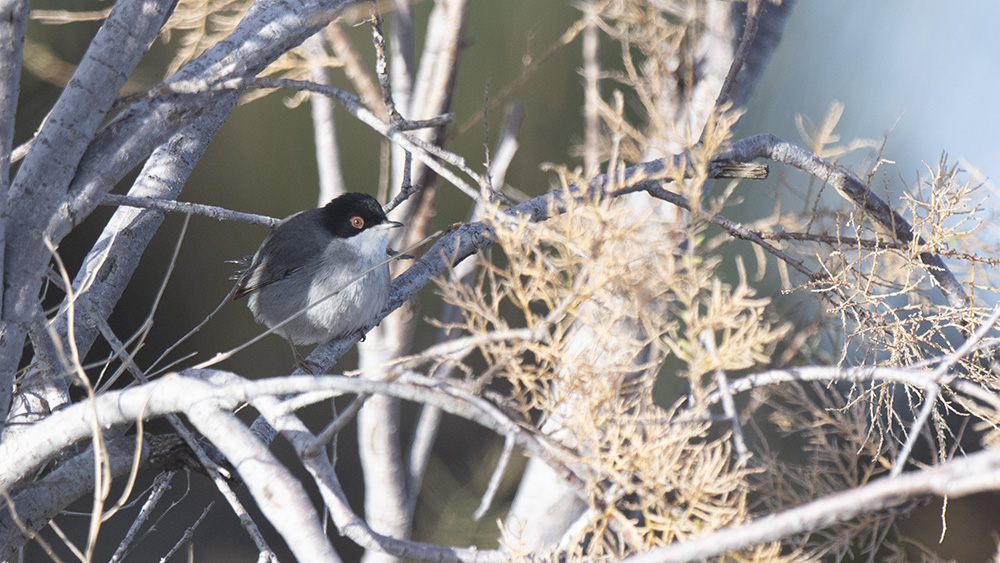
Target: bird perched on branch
point(322, 273)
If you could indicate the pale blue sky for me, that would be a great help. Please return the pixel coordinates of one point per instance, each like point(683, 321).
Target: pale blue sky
point(933, 65)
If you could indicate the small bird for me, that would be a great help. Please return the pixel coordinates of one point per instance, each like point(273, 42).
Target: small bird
point(310, 278)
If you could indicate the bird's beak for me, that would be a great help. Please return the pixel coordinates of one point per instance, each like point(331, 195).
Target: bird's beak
point(391, 224)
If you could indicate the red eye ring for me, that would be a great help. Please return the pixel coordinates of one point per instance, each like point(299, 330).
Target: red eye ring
point(357, 222)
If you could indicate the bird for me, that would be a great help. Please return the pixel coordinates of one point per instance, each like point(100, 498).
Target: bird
point(321, 273)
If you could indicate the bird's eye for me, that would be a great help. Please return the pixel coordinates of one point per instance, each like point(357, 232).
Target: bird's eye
point(357, 222)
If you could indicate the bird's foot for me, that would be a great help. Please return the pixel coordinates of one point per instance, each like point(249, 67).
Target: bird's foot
point(312, 368)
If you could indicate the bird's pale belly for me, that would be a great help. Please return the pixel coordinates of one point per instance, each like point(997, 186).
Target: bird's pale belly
point(332, 313)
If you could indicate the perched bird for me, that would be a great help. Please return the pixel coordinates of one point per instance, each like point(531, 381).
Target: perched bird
point(316, 276)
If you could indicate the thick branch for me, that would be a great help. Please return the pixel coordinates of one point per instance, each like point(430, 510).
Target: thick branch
point(276, 491)
point(13, 20)
point(344, 518)
point(41, 182)
point(205, 404)
point(178, 394)
point(36, 506)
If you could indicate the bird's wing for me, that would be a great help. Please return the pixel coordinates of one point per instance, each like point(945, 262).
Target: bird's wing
point(259, 275)
point(264, 268)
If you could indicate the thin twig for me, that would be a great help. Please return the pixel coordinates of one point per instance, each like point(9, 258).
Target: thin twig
point(354, 68)
point(491, 490)
point(746, 42)
point(707, 339)
point(591, 91)
point(382, 64)
point(166, 512)
point(968, 346)
point(211, 211)
point(528, 70)
point(160, 486)
point(842, 241)
point(188, 533)
point(455, 348)
point(933, 388)
point(931, 391)
point(407, 189)
point(329, 433)
point(915, 377)
point(735, 229)
point(424, 152)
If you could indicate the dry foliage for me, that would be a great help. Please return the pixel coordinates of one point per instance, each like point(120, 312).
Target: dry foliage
point(882, 308)
point(654, 475)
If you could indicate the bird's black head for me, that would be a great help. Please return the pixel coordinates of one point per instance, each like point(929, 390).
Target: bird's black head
point(352, 213)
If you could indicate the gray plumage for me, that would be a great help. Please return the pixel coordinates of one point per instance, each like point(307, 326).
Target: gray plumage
point(312, 262)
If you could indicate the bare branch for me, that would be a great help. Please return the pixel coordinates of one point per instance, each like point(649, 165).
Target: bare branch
point(188, 533)
point(498, 471)
point(915, 377)
point(974, 473)
point(354, 69)
point(424, 152)
point(278, 494)
point(13, 21)
point(852, 189)
point(729, 407)
point(36, 506)
point(160, 486)
point(746, 42)
point(211, 211)
point(382, 63)
point(344, 518)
